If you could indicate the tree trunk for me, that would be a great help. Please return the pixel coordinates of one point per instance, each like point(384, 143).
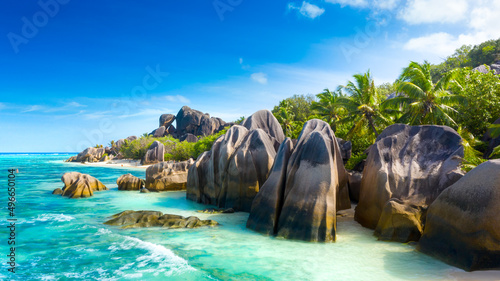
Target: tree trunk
point(370, 121)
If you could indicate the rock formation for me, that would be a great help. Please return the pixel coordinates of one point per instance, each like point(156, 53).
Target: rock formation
point(354, 182)
point(463, 223)
point(345, 149)
point(411, 163)
point(134, 219)
point(90, 154)
point(188, 138)
point(166, 120)
point(492, 142)
point(167, 176)
point(232, 172)
point(306, 188)
point(78, 185)
point(155, 154)
point(129, 182)
point(190, 121)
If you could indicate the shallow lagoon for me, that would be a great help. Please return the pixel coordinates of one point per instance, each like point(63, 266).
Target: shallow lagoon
point(60, 239)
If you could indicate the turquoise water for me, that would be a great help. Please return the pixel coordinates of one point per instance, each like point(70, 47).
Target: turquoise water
point(64, 239)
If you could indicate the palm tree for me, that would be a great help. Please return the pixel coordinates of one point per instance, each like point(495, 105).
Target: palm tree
point(422, 101)
point(328, 108)
point(286, 119)
point(362, 104)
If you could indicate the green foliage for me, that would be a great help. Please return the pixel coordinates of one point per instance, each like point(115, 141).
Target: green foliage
point(206, 143)
point(98, 146)
point(482, 92)
point(240, 120)
point(136, 149)
point(361, 140)
point(386, 89)
point(424, 102)
point(298, 106)
point(104, 155)
point(354, 160)
point(472, 157)
point(459, 59)
point(183, 151)
point(328, 108)
point(362, 104)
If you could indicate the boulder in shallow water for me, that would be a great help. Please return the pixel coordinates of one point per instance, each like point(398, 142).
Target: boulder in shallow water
point(463, 224)
point(134, 219)
point(57, 191)
point(301, 201)
point(129, 182)
point(400, 221)
point(78, 185)
point(411, 163)
point(168, 176)
point(354, 184)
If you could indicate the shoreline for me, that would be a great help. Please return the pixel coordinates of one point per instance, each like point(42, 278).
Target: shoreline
point(122, 163)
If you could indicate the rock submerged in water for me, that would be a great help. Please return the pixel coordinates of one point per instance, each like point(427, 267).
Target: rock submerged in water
point(134, 219)
point(411, 163)
point(463, 224)
point(167, 176)
point(306, 188)
point(57, 191)
point(232, 172)
point(129, 182)
point(78, 185)
point(217, 211)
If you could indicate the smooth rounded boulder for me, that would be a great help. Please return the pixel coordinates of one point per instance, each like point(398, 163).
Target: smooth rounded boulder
point(463, 224)
point(155, 154)
point(78, 185)
point(167, 176)
point(411, 163)
point(265, 120)
point(129, 182)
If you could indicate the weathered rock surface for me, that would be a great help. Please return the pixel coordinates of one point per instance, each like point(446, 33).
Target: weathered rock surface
point(168, 176)
point(463, 223)
point(160, 132)
point(411, 163)
point(166, 120)
point(232, 172)
point(301, 200)
point(155, 154)
point(78, 185)
point(129, 182)
point(345, 149)
point(217, 211)
point(189, 138)
point(354, 181)
point(265, 120)
point(400, 222)
point(190, 121)
point(134, 219)
point(57, 191)
point(486, 69)
point(90, 154)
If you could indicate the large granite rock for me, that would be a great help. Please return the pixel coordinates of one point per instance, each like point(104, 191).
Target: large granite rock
point(78, 185)
point(307, 187)
point(463, 223)
point(189, 138)
point(232, 172)
point(90, 154)
point(160, 132)
point(155, 154)
point(354, 182)
point(345, 149)
point(265, 120)
point(134, 219)
point(121, 142)
point(166, 120)
point(411, 163)
point(129, 182)
point(190, 121)
point(167, 176)
point(400, 222)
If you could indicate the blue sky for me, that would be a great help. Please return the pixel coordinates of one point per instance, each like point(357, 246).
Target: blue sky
point(77, 73)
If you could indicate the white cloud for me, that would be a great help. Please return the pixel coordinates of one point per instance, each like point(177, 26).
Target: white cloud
point(176, 99)
point(241, 60)
point(481, 25)
point(434, 11)
point(259, 78)
point(376, 4)
point(244, 66)
point(353, 3)
point(33, 108)
point(307, 9)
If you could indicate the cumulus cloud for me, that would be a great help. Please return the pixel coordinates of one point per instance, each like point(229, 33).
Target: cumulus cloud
point(259, 77)
point(480, 19)
point(307, 9)
point(175, 99)
point(375, 4)
point(353, 3)
point(434, 11)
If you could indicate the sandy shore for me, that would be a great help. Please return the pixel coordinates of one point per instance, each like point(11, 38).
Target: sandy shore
point(125, 163)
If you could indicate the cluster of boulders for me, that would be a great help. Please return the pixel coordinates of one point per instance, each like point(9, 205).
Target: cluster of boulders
point(135, 219)
point(168, 176)
point(78, 185)
point(495, 67)
point(306, 188)
point(190, 123)
point(234, 170)
point(101, 154)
